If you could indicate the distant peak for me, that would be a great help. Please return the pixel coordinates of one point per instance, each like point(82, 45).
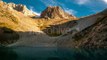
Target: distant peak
point(17, 7)
point(55, 12)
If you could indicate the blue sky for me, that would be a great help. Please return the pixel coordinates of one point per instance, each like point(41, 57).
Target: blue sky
point(78, 8)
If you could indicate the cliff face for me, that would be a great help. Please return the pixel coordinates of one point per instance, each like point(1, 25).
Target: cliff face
point(55, 13)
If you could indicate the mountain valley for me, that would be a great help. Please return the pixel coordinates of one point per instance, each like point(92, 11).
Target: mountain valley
point(19, 26)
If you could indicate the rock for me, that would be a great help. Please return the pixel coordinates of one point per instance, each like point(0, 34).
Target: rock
point(93, 36)
point(60, 29)
point(55, 12)
point(2, 3)
point(17, 7)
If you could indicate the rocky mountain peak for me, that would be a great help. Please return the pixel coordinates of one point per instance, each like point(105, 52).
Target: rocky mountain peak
point(21, 8)
point(55, 12)
point(17, 7)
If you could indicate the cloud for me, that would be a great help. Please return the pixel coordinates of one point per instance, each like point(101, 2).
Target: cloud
point(105, 1)
point(70, 11)
point(38, 14)
point(81, 2)
point(32, 10)
point(49, 2)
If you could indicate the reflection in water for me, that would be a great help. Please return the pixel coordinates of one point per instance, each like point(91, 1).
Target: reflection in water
point(31, 53)
point(7, 54)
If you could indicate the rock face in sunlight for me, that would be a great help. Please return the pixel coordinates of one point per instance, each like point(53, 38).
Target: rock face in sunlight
point(55, 13)
point(18, 7)
point(12, 16)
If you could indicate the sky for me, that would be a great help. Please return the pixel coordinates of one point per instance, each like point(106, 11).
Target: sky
point(78, 8)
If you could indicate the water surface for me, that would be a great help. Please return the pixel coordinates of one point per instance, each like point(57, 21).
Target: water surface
point(32, 53)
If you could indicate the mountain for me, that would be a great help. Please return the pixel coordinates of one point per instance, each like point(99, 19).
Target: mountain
point(12, 22)
point(60, 29)
point(92, 34)
point(18, 7)
point(61, 21)
point(11, 16)
point(55, 13)
point(54, 28)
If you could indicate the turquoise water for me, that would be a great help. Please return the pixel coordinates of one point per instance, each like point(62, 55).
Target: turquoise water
point(32, 53)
